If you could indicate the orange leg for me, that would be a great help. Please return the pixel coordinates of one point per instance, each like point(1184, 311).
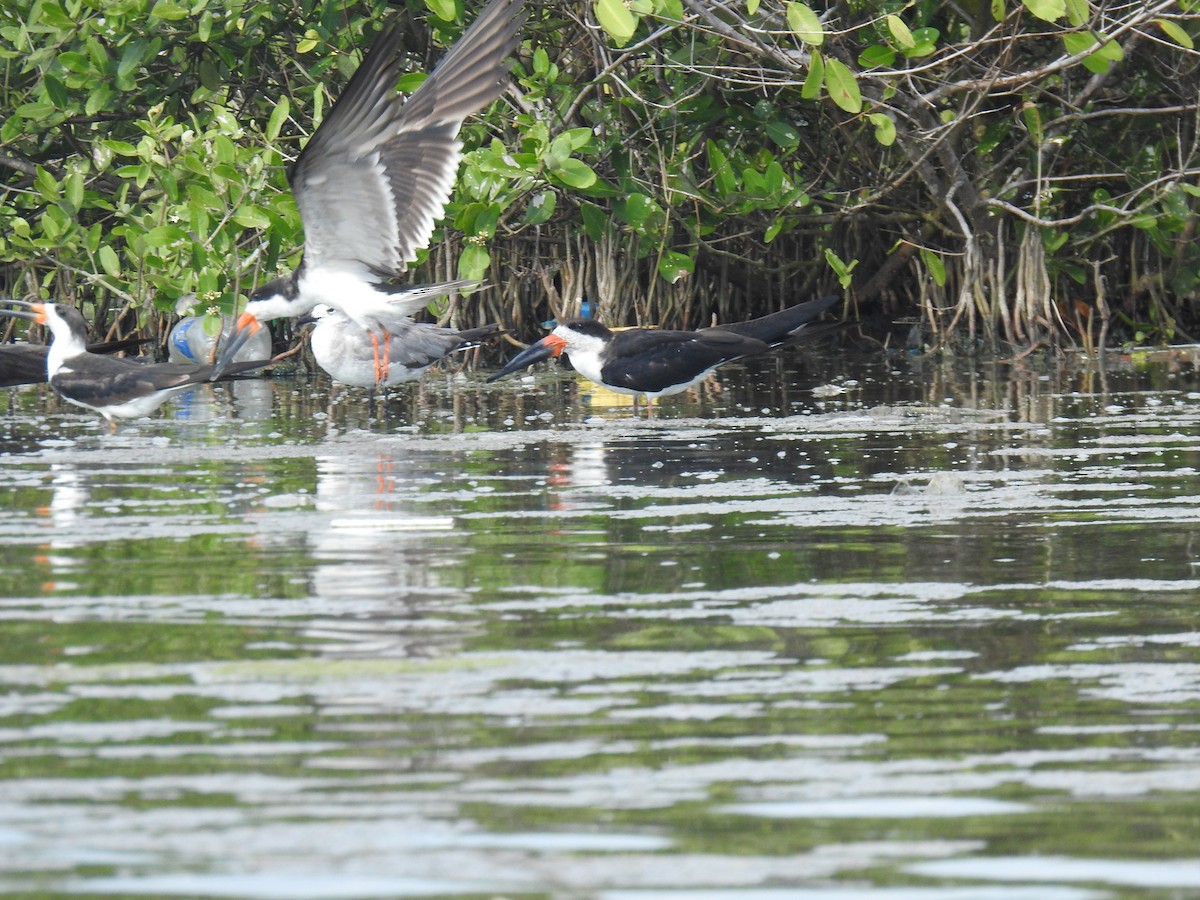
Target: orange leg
point(375, 348)
point(386, 362)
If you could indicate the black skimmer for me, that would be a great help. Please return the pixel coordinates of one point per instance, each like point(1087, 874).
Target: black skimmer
point(374, 179)
point(343, 349)
point(656, 363)
point(115, 388)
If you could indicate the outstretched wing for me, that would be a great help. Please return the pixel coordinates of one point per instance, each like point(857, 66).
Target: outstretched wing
point(375, 177)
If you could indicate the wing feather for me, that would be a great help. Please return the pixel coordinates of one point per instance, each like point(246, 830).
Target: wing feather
point(375, 177)
point(107, 382)
point(656, 360)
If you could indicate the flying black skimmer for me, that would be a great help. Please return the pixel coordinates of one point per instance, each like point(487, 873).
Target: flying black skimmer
point(343, 349)
point(115, 388)
point(657, 363)
point(374, 179)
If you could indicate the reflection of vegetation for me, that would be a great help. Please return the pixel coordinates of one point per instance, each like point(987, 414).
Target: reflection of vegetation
point(107, 643)
point(205, 564)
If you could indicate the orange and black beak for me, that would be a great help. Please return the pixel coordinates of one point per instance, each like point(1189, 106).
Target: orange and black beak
point(35, 312)
point(245, 328)
point(547, 348)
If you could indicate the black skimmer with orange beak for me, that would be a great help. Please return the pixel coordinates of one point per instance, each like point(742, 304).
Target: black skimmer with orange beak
point(657, 363)
point(115, 388)
point(342, 349)
point(375, 177)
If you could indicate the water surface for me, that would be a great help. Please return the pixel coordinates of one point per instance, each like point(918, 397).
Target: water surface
point(825, 628)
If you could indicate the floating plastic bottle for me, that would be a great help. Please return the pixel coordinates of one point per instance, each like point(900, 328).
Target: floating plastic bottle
point(194, 340)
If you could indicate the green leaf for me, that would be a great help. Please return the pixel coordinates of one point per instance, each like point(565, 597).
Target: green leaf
point(409, 83)
point(885, 128)
point(998, 10)
point(1047, 10)
point(899, 32)
point(164, 235)
point(805, 23)
point(309, 42)
point(107, 257)
point(56, 91)
point(1033, 121)
point(278, 116)
point(784, 134)
point(877, 56)
point(635, 209)
point(100, 97)
point(567, 142)
point(1106, 56)
point(926, 42)
point(131, 57)
point(473, 262)
point(595, 220)
point(992, 136)
point(842, 86)
point(211, 325)
point(46, 185)
point(1079, 41)
point(53, 14)
point(1077, 12)
point(445, 10)
point(935, 265)
point(674, 265)
point(670, 10)
point(74, 61)
point(616, 19)
point(724, 179)
point(1176, 33)
point(574, 173)
point(73, 192)
point(840, 268)
point(124, 148)
point(1102, 58)
point(751, 7)
point(540, 208)
point(251, 217)
point(486, 220)
point(811, 89)
point(168, 11)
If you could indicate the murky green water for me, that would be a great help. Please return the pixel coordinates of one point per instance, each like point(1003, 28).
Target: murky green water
point(926, 632)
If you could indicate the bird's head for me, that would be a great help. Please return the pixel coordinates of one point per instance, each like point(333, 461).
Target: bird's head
point(568, 335)
point(66, 323)
point(276, 299)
